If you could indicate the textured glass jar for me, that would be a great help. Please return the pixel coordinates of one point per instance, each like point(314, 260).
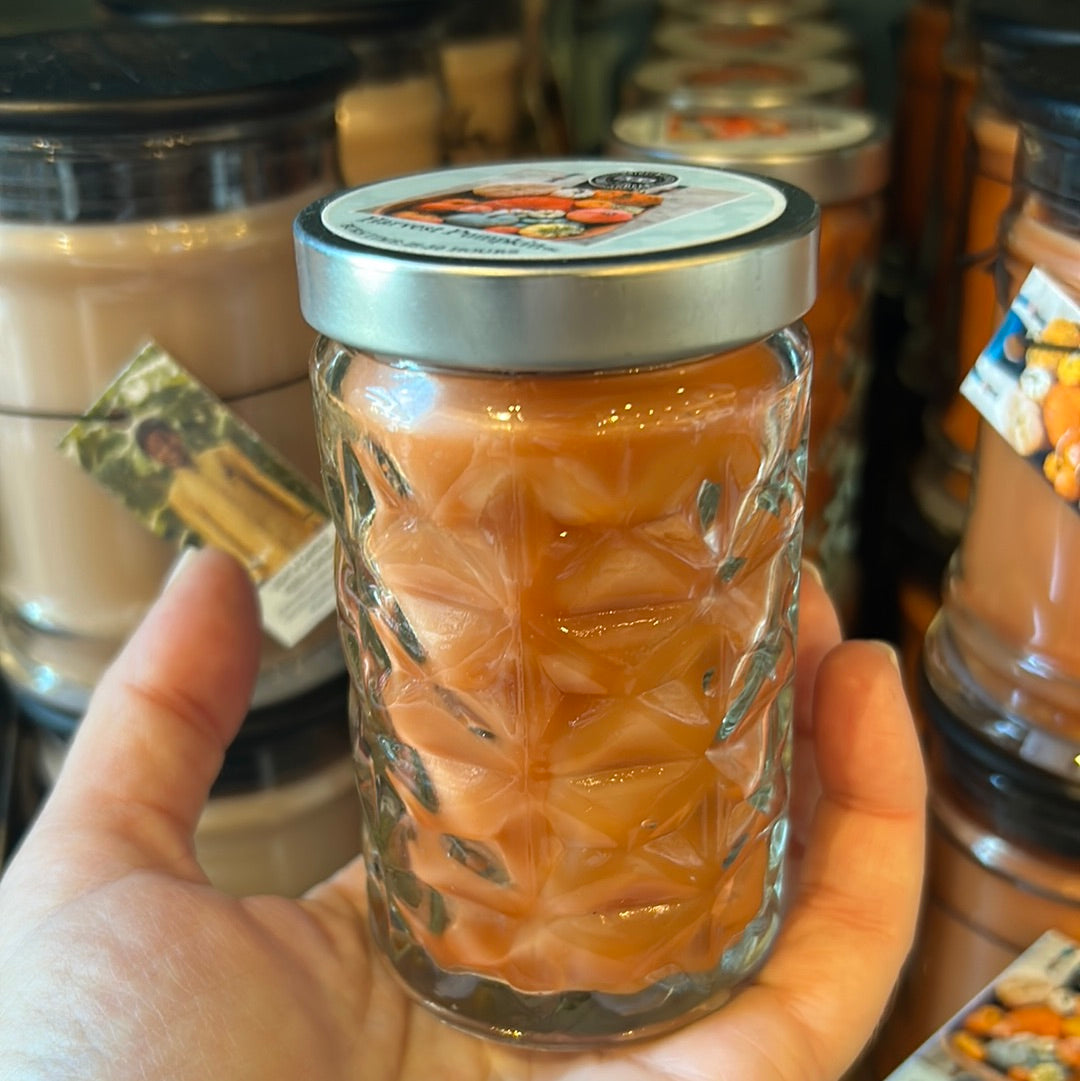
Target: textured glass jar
point(148, 181)
point(568, 498)
point(841, 158)
point(780, 42)
point(1010, 625)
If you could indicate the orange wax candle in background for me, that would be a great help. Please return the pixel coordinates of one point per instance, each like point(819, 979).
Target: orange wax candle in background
point(840, 156)
point(922, 78)
point(1013, 592)
point(569, 525)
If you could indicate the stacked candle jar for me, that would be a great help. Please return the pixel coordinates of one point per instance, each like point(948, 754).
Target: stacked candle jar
point(839, 156)
point(769, 52)
point(760, 57)
point(148, 182)
point(1002, 35)
point(1001, 667)
point(391, 117)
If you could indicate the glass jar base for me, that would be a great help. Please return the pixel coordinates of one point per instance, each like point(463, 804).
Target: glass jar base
point(572, 1020)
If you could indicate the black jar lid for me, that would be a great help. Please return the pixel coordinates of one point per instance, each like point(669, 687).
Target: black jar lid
point(1042, 90)
point(131, 79)
point(1017, 27)
point(1018, 799)
point(325, 16)
point(276, 744)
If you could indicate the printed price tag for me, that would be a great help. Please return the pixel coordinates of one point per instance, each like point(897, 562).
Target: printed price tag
point(1026, 382)
point(195, 474)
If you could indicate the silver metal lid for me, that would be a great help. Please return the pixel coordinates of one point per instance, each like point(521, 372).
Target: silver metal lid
point(739, 12)
point(780, 42)
point(557, 265)
point(834, 153)
point(746, 82)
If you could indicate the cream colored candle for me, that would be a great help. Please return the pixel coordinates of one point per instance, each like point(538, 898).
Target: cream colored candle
point(391, 127)
point(483, 81)
point(140, 201)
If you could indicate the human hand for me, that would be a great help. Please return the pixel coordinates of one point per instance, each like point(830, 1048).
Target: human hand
point(118, 961)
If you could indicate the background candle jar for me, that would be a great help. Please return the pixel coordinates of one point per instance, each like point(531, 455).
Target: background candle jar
point(148, 181)
point(1003, 867)
point(392, 114)
point(568, 569)
point(748, 84)
point(740, 13)
point(839, 156)
point(782, 43)
point(1012, 593)
point(282, 814)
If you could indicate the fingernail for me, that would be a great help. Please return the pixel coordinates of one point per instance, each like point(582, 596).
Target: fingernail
point(888, 649)
point(813, 570)
point(179, 568)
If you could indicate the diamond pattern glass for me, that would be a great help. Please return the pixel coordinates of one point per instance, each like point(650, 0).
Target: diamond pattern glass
point(568, 608)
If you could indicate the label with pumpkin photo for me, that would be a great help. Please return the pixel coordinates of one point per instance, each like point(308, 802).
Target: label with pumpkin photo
point(1026, 382)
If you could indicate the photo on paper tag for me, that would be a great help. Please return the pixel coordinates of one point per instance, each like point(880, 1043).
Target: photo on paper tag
point(1025, 1024)
point(196, 475)
point(1026, 383)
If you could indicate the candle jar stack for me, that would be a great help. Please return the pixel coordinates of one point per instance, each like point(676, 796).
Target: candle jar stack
point(839, 156)
point(999, 680)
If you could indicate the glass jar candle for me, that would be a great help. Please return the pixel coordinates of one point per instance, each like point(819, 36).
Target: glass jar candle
point(748, 12)
point(1003, 34)
point(391, 115)
point(148, 181)
point(840, 156)
point(1012, 595)
point(1003, 867)
point(743, 84)
point(568, 502)
point(782, 42)
point(918, 115)
point(482, 58)
point(282, 813)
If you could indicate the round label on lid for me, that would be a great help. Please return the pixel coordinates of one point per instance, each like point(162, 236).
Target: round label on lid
point(749, 133)
point(576, 210)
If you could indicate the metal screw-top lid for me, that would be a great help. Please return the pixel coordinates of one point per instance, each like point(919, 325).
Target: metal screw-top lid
point(134, 79)
point(833, 153)
point(326, 16)
point(557, 265)
point(781, 42)
point(747, 82)
point(739, 12)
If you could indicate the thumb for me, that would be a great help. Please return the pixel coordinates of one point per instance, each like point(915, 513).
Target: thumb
point(154, 735)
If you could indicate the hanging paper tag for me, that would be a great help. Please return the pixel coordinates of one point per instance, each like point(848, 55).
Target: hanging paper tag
point(195, 474)
point(1026, 382)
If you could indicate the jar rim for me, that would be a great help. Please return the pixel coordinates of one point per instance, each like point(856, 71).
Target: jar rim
point(655, 290)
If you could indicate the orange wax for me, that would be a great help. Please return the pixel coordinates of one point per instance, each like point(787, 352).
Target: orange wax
point(839, 328)
point(577, 711)
point(918, 116)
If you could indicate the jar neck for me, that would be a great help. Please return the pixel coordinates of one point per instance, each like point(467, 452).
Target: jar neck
point(1049, 168)
point(96, 177)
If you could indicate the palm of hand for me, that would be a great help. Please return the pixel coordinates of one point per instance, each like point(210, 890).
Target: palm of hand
point(117, 960)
